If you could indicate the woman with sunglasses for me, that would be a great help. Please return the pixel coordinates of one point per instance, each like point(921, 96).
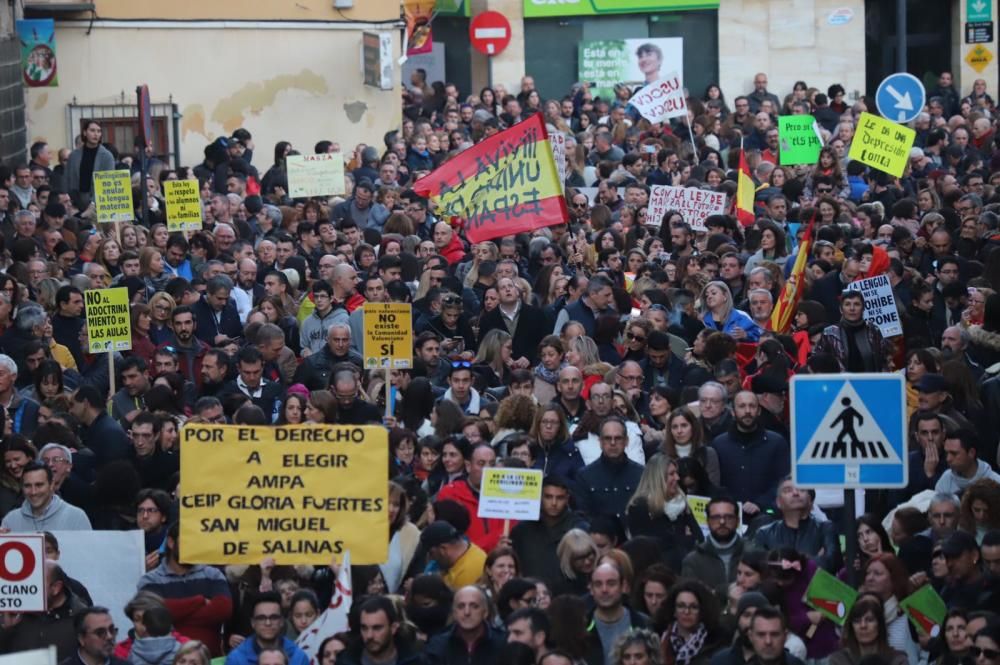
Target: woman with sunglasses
point(986, 645)
point(636, 333)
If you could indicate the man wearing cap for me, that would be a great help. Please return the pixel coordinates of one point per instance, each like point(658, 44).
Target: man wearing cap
point(964, 587)
point(460, 561)
point(741, 650)
point(771, 391)
point(933, 397)
point(964, 465)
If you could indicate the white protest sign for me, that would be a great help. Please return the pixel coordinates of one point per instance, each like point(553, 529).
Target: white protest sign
point(880, 304)
point(111, 578)
point(558, 142)
point(33, 657)
point(511, 494)
point(693, 203)
point(662, 99)
point(22, 573)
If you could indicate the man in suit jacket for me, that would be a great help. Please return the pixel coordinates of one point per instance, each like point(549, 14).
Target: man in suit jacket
point(525, 323)
point(216, 314)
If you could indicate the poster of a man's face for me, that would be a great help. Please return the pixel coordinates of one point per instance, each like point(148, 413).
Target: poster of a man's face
point(649, 58)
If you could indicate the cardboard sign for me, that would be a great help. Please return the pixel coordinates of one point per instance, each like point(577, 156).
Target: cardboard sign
point(882, 144)
point(109, 321)
point(511, 494)
point(113, 196)
point(799, 140)
point(298, 493)
point(694, 204)
point(880, 304)
point(661, 100)
point(183, 205)
point(33, 657)
point(388, 335)
point(22, 574)
point(315, 175)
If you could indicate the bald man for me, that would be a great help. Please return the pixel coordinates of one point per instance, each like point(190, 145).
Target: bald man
point(447, 243)
point(470, 638)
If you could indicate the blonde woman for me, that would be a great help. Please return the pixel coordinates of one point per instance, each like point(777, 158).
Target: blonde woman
point(581, 352)
point(659, 509)
point(720, 314)
point(484, 251)
point(161, 307)
point(577, 554)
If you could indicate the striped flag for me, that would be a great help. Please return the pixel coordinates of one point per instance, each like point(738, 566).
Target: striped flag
point(745, 191)
point(784, 309)
point(504, 185)
point(333, 620)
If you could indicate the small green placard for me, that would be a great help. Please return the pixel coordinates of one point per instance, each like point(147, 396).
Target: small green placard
point(830, 597)
point(798, 139)
point(926, 610)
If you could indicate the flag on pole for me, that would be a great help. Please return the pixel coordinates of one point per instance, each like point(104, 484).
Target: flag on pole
point(784, 309)
point(926, 610)
point(745, 191)
point(333, 620)
point(504, 185)
point(830, 597)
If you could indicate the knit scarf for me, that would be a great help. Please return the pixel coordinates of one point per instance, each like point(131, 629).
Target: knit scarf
point(685, 650)
point(549, 376)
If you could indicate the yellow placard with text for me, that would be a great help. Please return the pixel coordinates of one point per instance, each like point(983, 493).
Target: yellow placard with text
point(882, 144)
point(315, 175)
point(183, 205)
point(109, 320)
point(514, 494)
point(113, 196)
point(388, 340)
point(298, 493)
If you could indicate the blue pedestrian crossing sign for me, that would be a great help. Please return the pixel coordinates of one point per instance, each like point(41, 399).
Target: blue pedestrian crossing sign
point(900, 97)
point(849, 431)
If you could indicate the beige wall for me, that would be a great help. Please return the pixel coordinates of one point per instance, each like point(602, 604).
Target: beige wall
point(790, 40)
point(508, 67)
point(300, 85)
point(247, 10)
point(965, 74)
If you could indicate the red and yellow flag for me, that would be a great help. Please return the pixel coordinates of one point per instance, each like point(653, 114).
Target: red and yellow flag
point(745, 192)
point(504, 185)
point(784, 309)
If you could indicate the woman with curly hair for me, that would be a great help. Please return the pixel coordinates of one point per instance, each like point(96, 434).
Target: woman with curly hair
point(690, 618)
point(637, 646)
point(980, 510)
point(516, 415)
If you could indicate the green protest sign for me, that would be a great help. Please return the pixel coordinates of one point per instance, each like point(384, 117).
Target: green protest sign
point(830, 597)
point(926, 610)
point(798, 140)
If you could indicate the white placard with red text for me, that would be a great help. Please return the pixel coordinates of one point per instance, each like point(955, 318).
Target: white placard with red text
point(695, 204)
point(22, 573)
point(661, 100)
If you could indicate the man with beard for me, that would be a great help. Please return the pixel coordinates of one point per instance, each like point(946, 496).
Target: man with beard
point(752, 460)
point(714, 560)
point(214, 372)
point(381, 643)
point(247, 293)
point(798, 529)
point(741, 650)
point(190, 350)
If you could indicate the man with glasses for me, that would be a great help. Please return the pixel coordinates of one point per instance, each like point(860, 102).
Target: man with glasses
point(268, 624)
point(579, 208)
point(197, 596)
point(351, 409)
point(714, 560)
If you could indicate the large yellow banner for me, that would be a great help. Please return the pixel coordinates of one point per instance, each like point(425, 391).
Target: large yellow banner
point(298, 493)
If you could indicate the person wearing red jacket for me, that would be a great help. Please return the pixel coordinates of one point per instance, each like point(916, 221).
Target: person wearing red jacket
point(448, 243)
point(197, 596)
point(483, 531)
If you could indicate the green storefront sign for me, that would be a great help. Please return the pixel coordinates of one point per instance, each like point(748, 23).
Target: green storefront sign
point(547, 8)
point(452, 8)
point(976, 10)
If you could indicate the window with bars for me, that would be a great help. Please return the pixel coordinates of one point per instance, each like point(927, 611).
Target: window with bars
point(120, 125)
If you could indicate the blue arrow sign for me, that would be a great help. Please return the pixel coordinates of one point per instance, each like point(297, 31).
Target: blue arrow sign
point(900, 97)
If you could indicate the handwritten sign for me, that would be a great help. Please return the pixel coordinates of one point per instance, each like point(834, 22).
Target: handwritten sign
point(558, 142)
point(113, 196)
point(799, 141)
point(662, 99)
point(109, 321)
point(298, 493)
point(388, 335)
point(183, 205)
point(694, 204)
point(315, 175)
point(511, 494)
point(880, 304)
point(882, 144)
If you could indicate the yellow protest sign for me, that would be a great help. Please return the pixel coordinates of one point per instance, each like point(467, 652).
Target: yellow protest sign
point(113, 196)
point(183, 205)
point(882, 144)
point(315, 175)
point(388, 335)
point(979, 57)
point(109, 322)
point(298, 493)
point(510, 494)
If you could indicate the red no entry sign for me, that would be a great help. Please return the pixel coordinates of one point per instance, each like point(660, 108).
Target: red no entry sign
point(489, 32)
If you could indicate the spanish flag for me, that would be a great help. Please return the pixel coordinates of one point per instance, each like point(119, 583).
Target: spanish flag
point(504, 185)
point(745, 191)
point(784, 309)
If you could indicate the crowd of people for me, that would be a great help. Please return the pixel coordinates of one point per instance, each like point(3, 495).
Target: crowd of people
point(636, 362)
